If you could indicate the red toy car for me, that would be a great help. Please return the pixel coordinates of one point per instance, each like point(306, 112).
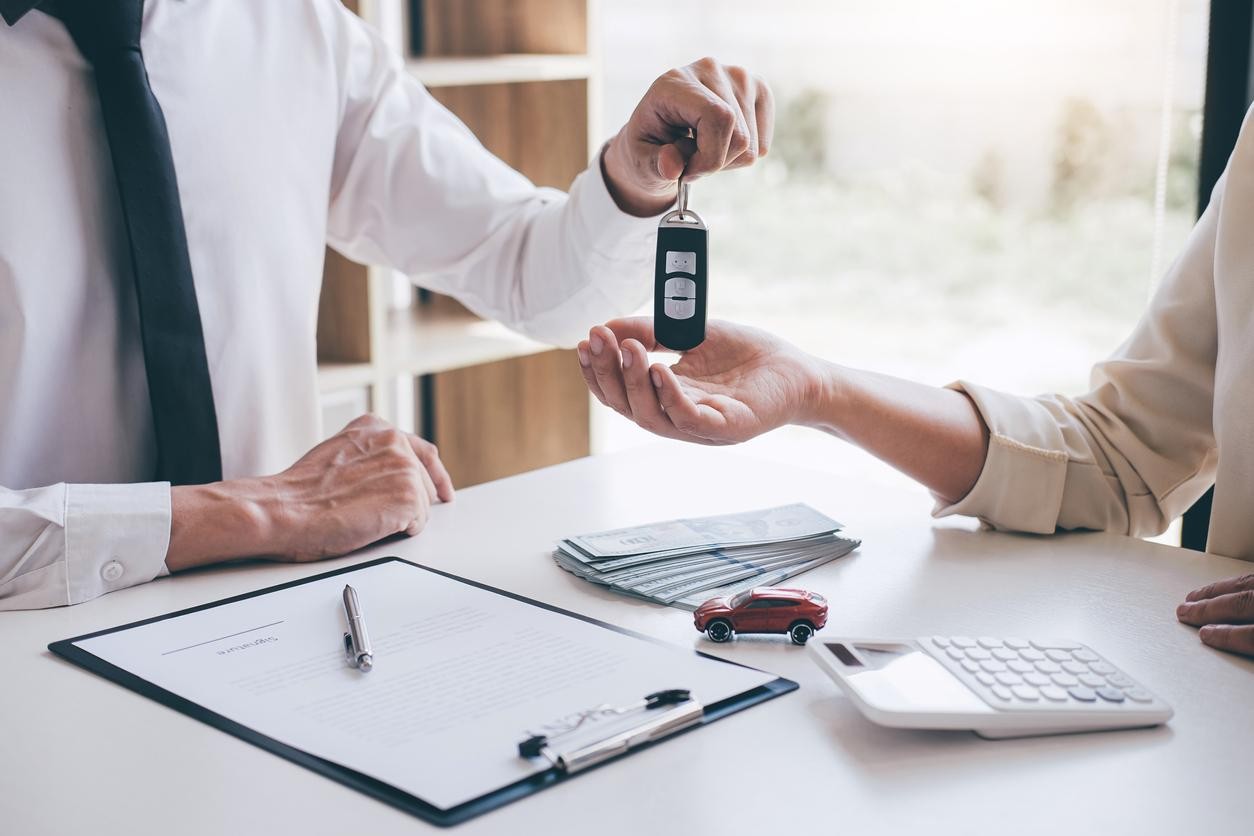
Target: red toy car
point(793, 611)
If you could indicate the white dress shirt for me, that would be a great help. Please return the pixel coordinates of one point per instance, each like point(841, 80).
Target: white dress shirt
point(291, 125)
point(1170, 413)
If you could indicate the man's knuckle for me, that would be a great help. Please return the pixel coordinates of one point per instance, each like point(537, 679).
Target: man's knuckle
point(746, 153)
point(397, 442)
point(722, 116)
point(738, 75)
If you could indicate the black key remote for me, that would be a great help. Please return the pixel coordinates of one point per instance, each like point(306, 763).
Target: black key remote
point(679, 284)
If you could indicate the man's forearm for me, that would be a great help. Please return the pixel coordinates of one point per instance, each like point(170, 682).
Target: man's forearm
point(933, 435)
point(221, 521)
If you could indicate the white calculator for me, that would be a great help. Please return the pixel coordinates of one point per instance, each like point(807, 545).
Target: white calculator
point(995, 687)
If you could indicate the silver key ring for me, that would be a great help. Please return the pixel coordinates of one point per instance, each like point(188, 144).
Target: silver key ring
point(683, 197)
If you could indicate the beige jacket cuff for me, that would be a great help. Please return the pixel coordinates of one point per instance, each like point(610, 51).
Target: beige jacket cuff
point(1021, 485)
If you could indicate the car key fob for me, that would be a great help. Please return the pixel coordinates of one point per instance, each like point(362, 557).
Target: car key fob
point(680, 279)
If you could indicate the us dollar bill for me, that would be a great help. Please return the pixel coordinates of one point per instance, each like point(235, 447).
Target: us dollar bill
point(689, 536)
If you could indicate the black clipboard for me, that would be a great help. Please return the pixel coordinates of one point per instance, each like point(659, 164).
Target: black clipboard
point(409, 803)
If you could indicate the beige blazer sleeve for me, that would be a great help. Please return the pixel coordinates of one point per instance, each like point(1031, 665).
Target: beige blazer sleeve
point(1137, 450)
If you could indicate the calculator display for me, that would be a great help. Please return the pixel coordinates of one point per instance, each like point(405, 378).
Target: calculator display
point(903, 677)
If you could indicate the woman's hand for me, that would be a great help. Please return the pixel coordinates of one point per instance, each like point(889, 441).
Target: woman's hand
point(1225, 612)
point(739, 383)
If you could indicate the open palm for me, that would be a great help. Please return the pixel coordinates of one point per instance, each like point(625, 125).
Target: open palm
point(739, 383)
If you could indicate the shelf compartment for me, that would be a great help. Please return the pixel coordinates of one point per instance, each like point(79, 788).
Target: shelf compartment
point(334, 377)
point(463, 71)
point(423, 340)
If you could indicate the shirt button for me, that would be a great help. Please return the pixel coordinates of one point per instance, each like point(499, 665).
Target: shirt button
point(111, 571)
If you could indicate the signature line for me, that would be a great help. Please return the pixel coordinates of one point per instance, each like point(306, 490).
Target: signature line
point(220, 638)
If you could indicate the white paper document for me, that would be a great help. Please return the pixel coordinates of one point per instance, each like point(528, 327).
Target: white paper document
point(461, 674)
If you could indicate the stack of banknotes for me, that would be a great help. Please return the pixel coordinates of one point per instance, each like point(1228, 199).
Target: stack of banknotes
point(686, 562)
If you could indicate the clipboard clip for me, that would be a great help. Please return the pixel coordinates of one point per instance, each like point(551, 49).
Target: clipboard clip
point(600, 733)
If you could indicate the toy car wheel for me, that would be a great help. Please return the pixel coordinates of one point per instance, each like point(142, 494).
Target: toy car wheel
point(801, 632)
point(719, 630)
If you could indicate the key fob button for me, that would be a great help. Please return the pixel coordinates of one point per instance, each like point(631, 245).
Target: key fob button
point(681, 298)
point(681, 262)
point(679, 309)
point(681, 287)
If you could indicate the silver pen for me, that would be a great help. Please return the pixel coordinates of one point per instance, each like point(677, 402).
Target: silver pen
point(357, 649)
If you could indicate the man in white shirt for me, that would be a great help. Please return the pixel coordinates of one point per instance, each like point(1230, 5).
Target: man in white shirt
point(229, 141)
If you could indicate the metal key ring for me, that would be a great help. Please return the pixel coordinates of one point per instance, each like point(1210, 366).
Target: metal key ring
point(683, 197)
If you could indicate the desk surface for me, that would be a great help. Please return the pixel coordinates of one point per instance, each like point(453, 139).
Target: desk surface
point(79, 754)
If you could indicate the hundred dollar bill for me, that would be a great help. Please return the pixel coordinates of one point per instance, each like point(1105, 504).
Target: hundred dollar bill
point(687, 585)
point(644, 561)
point(717, 557)
point(711, 575)
point(760, 576)
point(774, 578)
point(771, 525)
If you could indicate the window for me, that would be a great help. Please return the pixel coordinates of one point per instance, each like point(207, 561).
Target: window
point(973, 189)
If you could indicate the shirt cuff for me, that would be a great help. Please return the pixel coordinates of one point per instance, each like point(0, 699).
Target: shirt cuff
point(115, 536)
point(1021, 485)
point(612, 234)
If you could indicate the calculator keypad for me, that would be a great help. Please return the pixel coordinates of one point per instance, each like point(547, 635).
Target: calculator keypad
point(1050, 675)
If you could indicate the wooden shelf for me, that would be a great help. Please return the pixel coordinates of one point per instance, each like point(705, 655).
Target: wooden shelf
point(519, 74)
point(498, 69)
point(420, 341)
point(333, 377)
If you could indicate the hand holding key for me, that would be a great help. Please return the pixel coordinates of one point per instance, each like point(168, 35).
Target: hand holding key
point(694, 120)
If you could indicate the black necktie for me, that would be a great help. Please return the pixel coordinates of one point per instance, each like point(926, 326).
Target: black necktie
point(186, 426)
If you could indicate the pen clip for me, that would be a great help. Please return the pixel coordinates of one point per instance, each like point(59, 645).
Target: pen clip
point(357, 648)
point(681, 711)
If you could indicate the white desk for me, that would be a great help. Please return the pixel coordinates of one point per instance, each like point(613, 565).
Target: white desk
point(80, 755)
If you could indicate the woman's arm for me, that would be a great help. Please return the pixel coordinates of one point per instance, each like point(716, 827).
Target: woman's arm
point(935, 436)
point(742, 382)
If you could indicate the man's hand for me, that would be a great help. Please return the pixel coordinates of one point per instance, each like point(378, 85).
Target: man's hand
point(365, 483)
point(695, 120)
point(739, 383)
point(1225, 612)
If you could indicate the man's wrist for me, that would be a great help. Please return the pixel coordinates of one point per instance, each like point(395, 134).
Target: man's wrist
point(629, 197)
point(222, 521)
